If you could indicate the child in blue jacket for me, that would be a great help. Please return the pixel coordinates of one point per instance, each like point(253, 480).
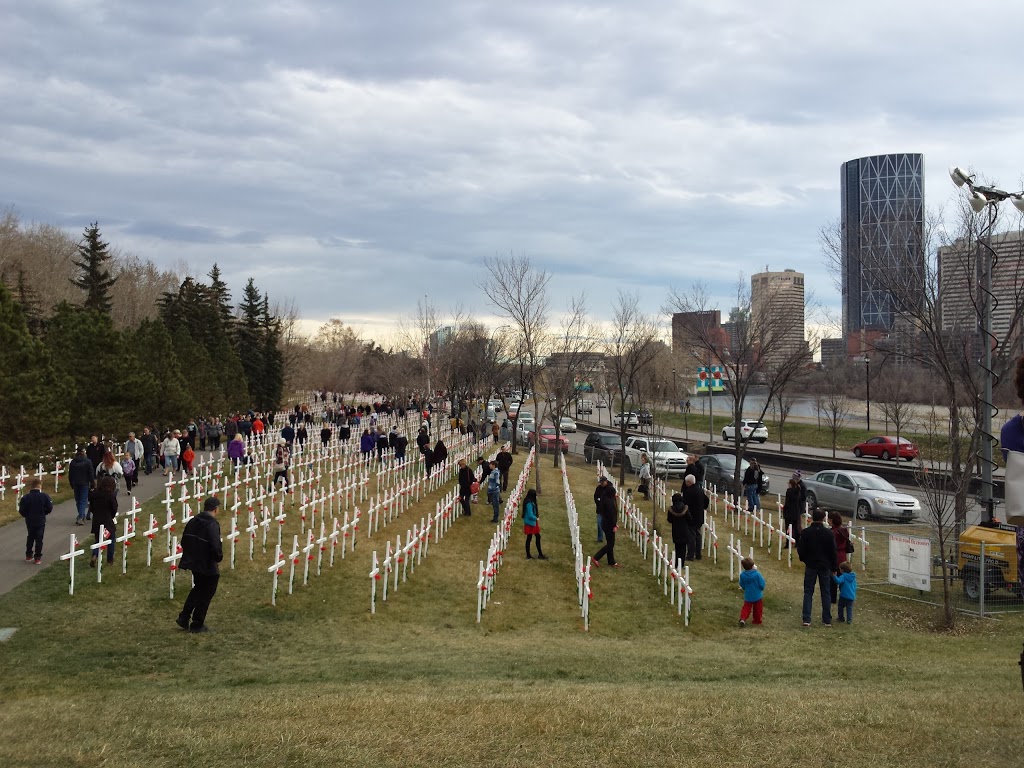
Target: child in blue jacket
point(847, 583)
point(752, 583)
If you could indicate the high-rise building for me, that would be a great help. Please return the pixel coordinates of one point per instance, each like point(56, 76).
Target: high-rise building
point(882, 238)
point(958, 284)
point(833, 352)
point(777, 314)
point(693, 331)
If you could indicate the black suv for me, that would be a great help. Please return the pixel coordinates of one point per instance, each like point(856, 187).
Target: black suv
point(602, 446)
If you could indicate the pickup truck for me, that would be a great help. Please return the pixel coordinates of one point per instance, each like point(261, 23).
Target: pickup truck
point(666, 457)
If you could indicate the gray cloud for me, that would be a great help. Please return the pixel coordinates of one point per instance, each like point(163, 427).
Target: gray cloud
point(340, 152)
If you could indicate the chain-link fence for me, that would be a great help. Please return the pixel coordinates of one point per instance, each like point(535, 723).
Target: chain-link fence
point(908, 563)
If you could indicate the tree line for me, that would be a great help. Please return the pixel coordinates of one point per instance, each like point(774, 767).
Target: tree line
point(77, 365)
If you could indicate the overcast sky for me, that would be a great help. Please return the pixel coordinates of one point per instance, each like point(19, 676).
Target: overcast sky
point(357, 155)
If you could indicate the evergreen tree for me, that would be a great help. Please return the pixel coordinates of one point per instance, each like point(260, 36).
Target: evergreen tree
point(95, 278)
point(249, 341)
point(221, 297)
point(90, 354)
point(28, 299)
point(273, 360)
point(157, 376)
point(32, 395)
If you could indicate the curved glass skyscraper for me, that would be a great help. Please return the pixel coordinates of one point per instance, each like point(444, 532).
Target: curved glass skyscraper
point(882, 237)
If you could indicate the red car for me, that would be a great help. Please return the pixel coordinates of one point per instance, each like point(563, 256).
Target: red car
point(886, 448)
point(547, 440)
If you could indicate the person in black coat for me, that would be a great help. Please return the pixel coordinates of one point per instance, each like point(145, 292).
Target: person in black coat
point(608, 509)
point(817, 551)
point(103, 508)
point(81, 475)
point(504, 462)
point(201, 551)
point(150, 449)
point(440, 452)
point(466, 480)
point(695, 468)
point(696, 502)
point(793, 509)
point(603, 488)
point(34, 506)
point(95, 450)
point(679, 518)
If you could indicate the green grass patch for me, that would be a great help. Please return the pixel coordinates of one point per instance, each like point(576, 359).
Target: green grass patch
point(105, 678)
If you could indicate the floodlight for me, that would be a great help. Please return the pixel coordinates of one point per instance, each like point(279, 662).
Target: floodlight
point(978, 201)
point(1018, 201)
point(959, 176)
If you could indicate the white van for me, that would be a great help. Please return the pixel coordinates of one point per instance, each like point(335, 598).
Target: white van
point(586, 406)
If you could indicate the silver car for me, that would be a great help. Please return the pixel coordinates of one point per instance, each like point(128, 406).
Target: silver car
point(862, 494)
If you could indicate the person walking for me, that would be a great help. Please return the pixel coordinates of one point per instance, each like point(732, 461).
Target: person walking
point(603, 489)
point(150, 449)
point(752, 583)
point(695, 468)
point(170, 449)
point(111, 467)
point(608, 509)
point(236, 449)
point(134, 448)
point(214, 430)
point(466, 480)
point(282, 460)
point(531, 523)
point(495, 431)
point(34, 506)
point(504, 462)
point(817, 551)
point(95, 451)
point(103, 508)
point(201, 551)
point(752, 479)
point(81, 475)
point(494, 490)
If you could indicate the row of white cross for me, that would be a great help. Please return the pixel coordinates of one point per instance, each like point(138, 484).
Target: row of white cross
point(772, 533)
point(584, 591)
point(403, 558)
point(666, 564)
point(499, 540)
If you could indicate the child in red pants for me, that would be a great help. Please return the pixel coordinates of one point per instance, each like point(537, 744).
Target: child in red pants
point(752, 584)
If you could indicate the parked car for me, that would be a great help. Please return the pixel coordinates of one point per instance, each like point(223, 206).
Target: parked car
point(860, 493)
point(645, 418)
point(585, 406)
point(494, 405)
point(546, 439)
point(565, 424)
point(884, 447)
point(602, 403)
point(513, 409)
point(719, 470)
point(602, 446)
point(665, 456)
point(750, 429)
point(630, 419)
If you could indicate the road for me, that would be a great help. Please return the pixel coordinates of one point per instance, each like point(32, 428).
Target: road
point(780, 475)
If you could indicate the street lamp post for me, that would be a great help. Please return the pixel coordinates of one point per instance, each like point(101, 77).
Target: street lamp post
point(867, 379)
point(982, 198)
point(675, 391)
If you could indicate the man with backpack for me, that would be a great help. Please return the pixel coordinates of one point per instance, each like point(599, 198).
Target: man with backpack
point(201, 551)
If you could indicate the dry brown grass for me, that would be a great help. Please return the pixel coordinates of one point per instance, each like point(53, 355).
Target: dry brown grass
point(105, 678)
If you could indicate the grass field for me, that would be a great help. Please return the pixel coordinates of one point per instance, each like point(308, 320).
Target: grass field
point(106, 679)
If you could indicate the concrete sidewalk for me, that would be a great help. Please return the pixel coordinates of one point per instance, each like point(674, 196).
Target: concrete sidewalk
point(61, 522)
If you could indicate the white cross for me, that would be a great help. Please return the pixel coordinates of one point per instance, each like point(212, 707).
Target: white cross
point(56, 476)
point(308, 552)
point(41, 473)
point(294, 558)
point(19, 483)
point(129, 533)
point(150, 533)
point(169, 527)
point(99, 550)
point(321, 542)
point(251, 530)
point(3, 480)
point(72, 553)
point(275, 569)
point(265, 525)
point(173, 559)
point(335, 531)
point(233, 537)
point(186, 514)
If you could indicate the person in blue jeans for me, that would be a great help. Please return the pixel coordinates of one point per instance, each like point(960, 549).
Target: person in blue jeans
point(494, 490)
point(817, 550)
point(847, 583)
point(752, 479)
point(81, 475)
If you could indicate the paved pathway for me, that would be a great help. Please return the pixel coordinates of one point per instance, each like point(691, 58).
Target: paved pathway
point(61, 522)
